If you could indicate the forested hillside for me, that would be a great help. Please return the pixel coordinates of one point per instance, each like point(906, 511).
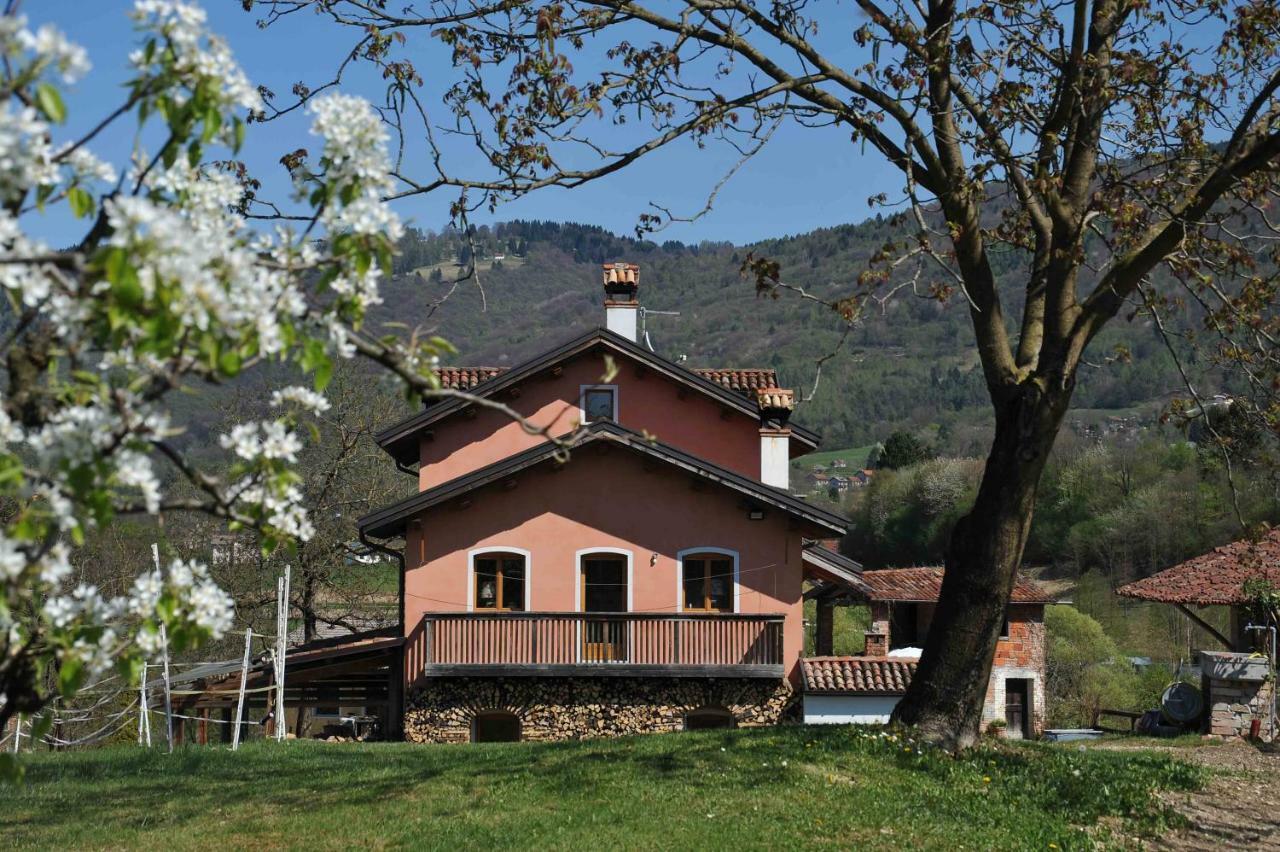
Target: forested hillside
point(908, 366)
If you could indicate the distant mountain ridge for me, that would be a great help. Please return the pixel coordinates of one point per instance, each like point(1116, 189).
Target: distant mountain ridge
point(909, 367)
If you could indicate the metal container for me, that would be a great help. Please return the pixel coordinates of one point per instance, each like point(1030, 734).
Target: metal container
point(1227, 665)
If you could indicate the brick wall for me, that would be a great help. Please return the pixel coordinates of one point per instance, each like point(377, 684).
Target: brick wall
point(581, 708)
point(1020, 656)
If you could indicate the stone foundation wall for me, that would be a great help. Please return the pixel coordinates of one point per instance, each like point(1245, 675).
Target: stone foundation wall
point(1234, 704)
point(442, 709)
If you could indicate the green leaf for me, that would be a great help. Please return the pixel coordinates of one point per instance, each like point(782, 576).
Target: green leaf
point(70, 676)
point(50, 103)
point(11, 770)
point(229, 362)
point(81, 202)
point(40, 725)
point(212, 123)
point(324, 372)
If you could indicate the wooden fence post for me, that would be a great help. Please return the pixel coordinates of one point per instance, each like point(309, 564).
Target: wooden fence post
point(168, 698)
point(244, 676)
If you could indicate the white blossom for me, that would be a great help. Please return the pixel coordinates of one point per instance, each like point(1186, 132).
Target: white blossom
point(52, 47)
point(301, 397)
point(12, 560)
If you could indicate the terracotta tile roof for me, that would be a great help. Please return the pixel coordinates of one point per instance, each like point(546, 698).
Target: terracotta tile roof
point(465, 378)
point(751, 383)
point(857, 675)
point(925, 584)
point(1215, 577)
point(746, 382)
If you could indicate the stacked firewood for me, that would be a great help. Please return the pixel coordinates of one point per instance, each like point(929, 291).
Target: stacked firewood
point(445, 709)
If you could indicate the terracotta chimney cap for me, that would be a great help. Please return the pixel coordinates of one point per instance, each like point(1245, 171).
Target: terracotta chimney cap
point(776, 399)
point(621, 279)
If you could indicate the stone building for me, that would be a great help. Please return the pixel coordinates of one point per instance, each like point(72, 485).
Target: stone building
point(1238, 682)
point(865, 688)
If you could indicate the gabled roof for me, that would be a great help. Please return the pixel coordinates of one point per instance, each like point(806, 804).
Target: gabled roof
point(857, 675)
point(1216, 577)
point(390, 520)
point(844, 573)
point(400, 439)
point(924, 585)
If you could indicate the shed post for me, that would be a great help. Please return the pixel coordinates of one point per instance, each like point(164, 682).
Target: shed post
point(824, 637)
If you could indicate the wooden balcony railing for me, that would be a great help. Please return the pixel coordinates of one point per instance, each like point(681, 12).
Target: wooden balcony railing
point(598, 644)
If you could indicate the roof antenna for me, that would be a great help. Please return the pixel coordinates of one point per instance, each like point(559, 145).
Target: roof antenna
point(644, 326)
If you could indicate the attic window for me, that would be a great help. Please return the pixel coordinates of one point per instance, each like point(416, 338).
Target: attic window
point(599, 403)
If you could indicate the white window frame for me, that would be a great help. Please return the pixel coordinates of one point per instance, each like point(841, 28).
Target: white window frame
point(719, 551)
point(471, 573)
point(577, 573)
point(582, 400)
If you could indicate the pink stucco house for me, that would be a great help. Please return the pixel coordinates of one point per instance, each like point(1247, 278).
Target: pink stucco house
point(629, 559)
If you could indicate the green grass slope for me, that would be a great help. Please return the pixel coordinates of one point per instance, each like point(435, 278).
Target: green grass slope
point(790, 787)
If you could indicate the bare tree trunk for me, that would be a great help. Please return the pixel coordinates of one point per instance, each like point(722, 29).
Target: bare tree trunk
point(944, 701)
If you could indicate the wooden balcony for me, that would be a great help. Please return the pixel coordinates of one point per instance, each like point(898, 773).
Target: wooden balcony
point(625, 644)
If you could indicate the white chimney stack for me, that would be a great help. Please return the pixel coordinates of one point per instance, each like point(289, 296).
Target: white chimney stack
point(776, 405)
point(621, 310)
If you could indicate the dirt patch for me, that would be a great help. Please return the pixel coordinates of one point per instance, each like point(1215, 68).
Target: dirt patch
point(1240, 806)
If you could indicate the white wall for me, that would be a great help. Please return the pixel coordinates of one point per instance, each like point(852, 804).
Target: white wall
point(848, 709)
point(775, 460)
point(622, 320)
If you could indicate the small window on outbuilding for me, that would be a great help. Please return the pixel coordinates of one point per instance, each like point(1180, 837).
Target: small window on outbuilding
point(495, 726)
point(708, 718)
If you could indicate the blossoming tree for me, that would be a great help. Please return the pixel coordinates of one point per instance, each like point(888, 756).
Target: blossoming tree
point(169, 287)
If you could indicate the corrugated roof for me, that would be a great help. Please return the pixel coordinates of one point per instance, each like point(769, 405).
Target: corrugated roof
point(857, 675)
point(925, 584)
point(1216, 577)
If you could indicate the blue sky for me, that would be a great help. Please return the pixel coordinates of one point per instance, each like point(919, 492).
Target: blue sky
point(805, 179)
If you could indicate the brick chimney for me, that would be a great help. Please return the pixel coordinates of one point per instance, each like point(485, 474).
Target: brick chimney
point(621, 310)
point(776, 405)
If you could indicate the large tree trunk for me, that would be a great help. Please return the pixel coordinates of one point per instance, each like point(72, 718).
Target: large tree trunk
point(944, 701)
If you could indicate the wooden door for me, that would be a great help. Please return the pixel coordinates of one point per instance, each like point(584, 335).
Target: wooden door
point(604, 590)
point(1016, 709)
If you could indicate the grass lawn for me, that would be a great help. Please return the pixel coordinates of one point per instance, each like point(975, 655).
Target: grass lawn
point(831, 787)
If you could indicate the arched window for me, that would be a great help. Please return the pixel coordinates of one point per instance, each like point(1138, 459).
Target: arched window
point(708, 718)
point(707, 581)
point(499, 580)
point(495, 726)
